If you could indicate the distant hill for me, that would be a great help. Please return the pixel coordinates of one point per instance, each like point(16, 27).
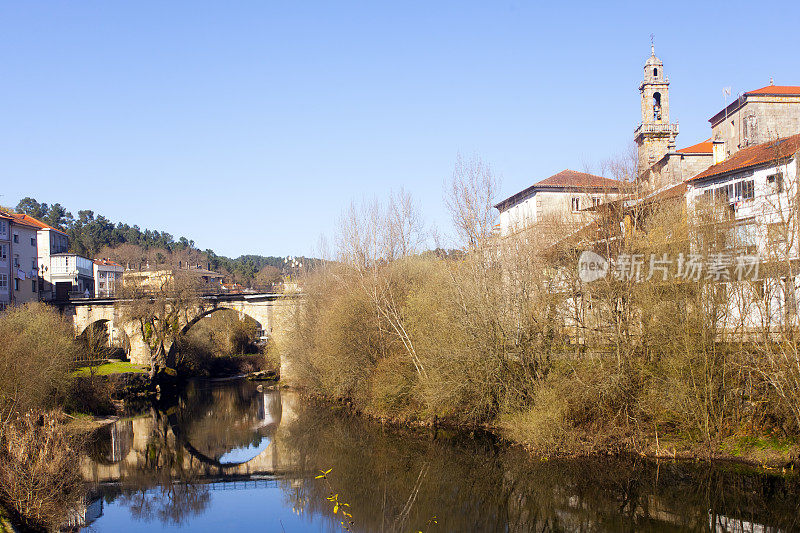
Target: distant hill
point(96, 236)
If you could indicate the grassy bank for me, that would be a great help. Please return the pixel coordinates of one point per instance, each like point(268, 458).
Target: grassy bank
point(118, 367)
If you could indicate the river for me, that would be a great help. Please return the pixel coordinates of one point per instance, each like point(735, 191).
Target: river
point(238, 456)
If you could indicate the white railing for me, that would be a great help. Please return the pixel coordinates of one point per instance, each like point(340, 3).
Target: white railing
point(657, 128)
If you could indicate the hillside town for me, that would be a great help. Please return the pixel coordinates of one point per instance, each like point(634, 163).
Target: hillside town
point(747, 168)
point(739, 152)
point(37, 264)
point(637, 326)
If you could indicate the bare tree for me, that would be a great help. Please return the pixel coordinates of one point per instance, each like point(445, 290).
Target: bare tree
point(469, 198)
point(160, 305)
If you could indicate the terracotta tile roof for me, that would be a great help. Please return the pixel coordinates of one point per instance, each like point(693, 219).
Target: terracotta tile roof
point(753, 156)
point(25, 220)
point(30, 221)
point(777, 90)
point(705, 147)
point(106, 262)
point(570, 179)
point(579, 180)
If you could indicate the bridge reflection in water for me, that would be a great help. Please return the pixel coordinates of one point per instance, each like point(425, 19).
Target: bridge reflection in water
point(240, 457)
point(211, 432)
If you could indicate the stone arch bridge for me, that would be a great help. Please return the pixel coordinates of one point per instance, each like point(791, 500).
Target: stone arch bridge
point(267, 309)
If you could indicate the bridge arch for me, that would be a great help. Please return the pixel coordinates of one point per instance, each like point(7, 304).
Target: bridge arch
point(185, 329)
point(173, 352)
point(103, 338)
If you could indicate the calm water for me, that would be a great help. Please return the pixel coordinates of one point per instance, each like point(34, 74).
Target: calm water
point(234, 456)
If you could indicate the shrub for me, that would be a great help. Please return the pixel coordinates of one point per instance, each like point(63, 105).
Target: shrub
point(39, 475)
point(37, 348)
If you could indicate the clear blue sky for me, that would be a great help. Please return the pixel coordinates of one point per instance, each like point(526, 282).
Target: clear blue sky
point(248, 126)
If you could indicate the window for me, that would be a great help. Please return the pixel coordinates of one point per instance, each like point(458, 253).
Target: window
point(776, 182)
point(745, 237)
point(595, 201)
point(776, 234)
point(3, 227)
point(33, 263)
point(790, 297)
point(576, 203)
point(4, 281)
point(16, 239)
point(33, 241)
point(3, 252)
point(33, 285)
point(655, 72)
point(16, 261)
point(748, 190)
point(758, 289)
point(16, 284)
point(733, 192)
point(749, 130)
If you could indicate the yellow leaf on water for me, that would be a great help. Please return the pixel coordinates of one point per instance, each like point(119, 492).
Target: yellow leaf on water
point(336, 508)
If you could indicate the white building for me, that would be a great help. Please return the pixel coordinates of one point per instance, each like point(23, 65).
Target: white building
point(71, 276)
point(756, 190)
point(63, 274)
point(758, 185)
point(107, 277)
point(563, 198)
point(5, 260)
point(24, 264)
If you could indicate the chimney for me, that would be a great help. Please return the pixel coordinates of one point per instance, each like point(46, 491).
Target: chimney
point(719, 151)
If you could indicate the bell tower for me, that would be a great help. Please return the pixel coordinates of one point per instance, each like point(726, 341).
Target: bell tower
point(655, 136)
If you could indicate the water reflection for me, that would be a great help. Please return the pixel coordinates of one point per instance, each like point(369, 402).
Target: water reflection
point(233, 455)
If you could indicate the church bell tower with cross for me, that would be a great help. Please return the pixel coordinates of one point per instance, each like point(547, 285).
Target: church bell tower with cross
point(655, 136)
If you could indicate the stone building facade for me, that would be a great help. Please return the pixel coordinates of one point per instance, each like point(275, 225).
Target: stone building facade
point(660, 163)
point(655, 135)
point(757, 117)
point(564, 199)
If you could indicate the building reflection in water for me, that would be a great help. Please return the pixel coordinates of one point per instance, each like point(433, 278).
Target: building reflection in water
point(170, 464)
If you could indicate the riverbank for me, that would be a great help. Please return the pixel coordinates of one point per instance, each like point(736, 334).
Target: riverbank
point(763, 452)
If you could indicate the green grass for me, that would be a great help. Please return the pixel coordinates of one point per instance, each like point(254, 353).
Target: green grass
point(110, 368)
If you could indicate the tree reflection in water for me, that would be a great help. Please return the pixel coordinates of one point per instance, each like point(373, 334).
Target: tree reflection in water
point(397, 480)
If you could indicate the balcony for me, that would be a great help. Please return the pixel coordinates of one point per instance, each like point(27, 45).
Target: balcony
point(663, 129)
point(70, 265)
